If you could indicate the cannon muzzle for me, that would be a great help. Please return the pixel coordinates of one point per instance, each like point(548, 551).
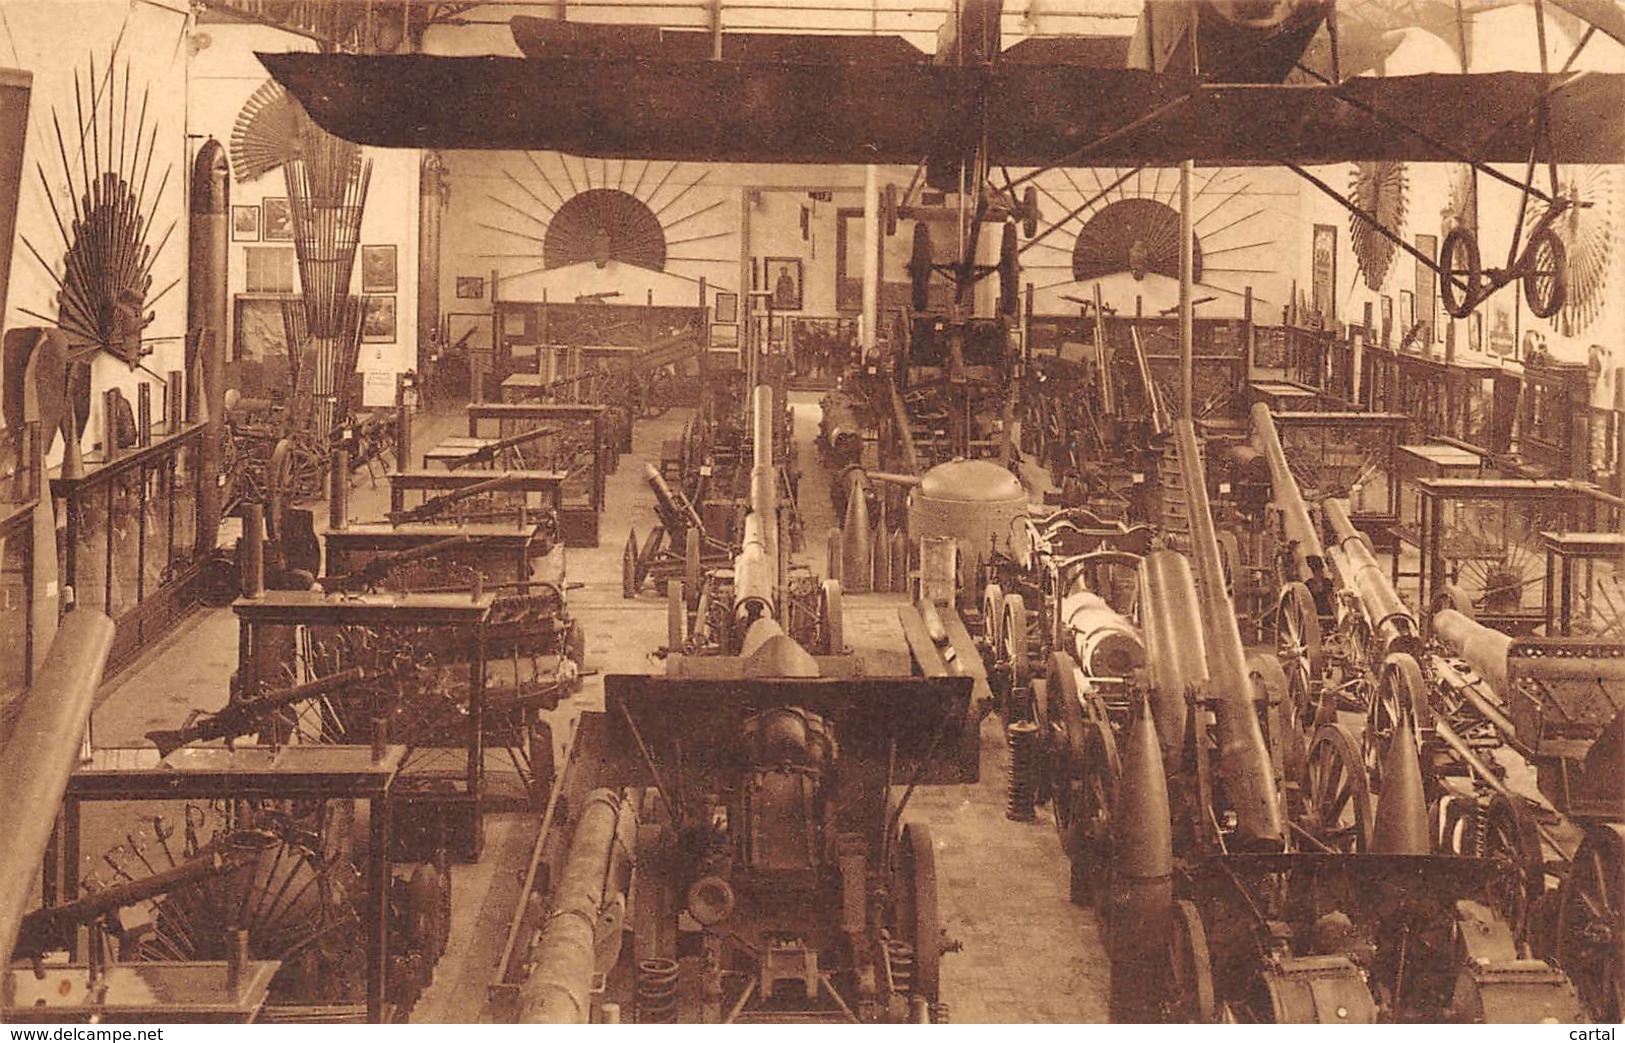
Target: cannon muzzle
point(1484, 649)
point(1307, 552)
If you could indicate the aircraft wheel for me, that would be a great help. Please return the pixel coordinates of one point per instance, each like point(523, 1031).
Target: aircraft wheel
point(1029, 212)
point(919, 266)
point(1546, 279)
point(1458, 258)
point(1009, 272)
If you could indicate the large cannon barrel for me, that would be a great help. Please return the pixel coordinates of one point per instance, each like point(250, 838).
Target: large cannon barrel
point(559, 990)
point(753, 573)
point(1176, 651)
point(1484, 649)
point(841, 430)
point(1104, 643)
point(41, 753)
point(1300, 529)
point(671, 511)
point(1369, 581)
point(1243, 758)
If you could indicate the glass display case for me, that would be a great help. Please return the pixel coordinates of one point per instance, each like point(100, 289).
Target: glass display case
point(577, 446)
point(129, 546)
point(1555, 420)
point(19, 490)
point(1585, 584)
point(1349, 455)
point(1483, 536)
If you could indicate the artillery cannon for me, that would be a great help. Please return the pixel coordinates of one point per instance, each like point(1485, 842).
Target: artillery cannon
point(737, 856)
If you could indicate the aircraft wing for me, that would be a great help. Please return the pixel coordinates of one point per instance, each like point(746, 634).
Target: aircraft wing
point(845, 105)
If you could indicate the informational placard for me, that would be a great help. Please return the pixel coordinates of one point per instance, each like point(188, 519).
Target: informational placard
point(378, 389)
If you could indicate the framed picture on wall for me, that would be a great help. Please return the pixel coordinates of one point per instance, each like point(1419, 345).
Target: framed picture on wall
point(378, 320)
point(245, 224)
point(1503, 332)
point(784, 280)
point(378, 269)
point(1427, 287)
point(277, 221)
point(470, 288)
point(1387, 332)
point(727, 310)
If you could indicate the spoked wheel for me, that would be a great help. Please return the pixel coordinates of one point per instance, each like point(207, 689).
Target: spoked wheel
point(1461, 276)
point(1030, 214)
point(1013, 651)
point(831, 618)
point(915, 913)
point(1400, 696)
point(1509, 838)
point(1298, 646)
point(1083, 774)
point(1335, 790)
point(1190, 982)
point(1591, 922)
point(1545, 274)
point(992, 617)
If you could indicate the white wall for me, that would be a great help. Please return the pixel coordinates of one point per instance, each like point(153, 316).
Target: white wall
point(225, 74)
point(54, 40)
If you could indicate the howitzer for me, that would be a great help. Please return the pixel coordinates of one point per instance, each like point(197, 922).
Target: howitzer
point(378, 568)
point(432, 506)
point(491, 450)
point(247, 716)
point(1156, 410)
point(42, 930)
point(1243, 758)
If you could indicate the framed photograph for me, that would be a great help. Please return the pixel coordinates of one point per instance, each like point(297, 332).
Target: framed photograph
point(258, 333)
point(378, 320)
point(784, 280)
point(277, 220)
point(1503, 331)
point(1427, 287)
point(378, 269)
point(245, 224)
point(471, 287)
point(1387, 331)
point(1407, 317)
point(1323, 284)
point(727, 310)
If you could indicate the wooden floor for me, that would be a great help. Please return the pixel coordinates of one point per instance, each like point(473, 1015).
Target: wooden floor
point(1027, 954)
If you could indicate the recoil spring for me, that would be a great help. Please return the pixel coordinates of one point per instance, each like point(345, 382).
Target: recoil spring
point(657, 992)
point(1023, 797)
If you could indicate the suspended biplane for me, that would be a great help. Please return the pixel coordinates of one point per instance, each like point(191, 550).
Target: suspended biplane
point(1213, 81)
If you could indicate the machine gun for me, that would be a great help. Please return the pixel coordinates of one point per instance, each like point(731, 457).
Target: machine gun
point(434, 505)
point(247, 716)
point(42, 930)
point(376, 569)
point(491, 450)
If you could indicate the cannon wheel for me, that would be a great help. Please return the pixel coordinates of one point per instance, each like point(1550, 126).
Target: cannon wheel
point(1546, 274)
point(1591, 922)
point(1459, 257)
point(1400, 697)
point(830, 618)
point(1298, 646)
point(1190, 982)
point(1335, 789)
point(992, 615)
point(916, 910)
point(676, 616)
point(1083, 772)
point(1013, 631)
point(1511, 840)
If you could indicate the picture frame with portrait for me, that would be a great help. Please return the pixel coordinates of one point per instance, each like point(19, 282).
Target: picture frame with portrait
point(782, 278)
point(727, 308)
point(378, 269)
point(276, 220)
point(245, 224)
point(378, 321)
